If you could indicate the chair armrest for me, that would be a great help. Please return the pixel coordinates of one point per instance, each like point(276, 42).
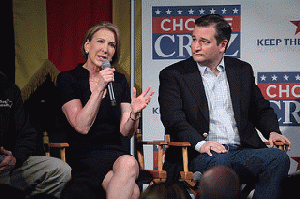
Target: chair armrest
point(181, 144)
point(58, 145)
point(282, 146)
point(61, 146)
point(153, 143)
point(278, 144)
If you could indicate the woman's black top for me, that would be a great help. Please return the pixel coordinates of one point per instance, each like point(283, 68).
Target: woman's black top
point(105, 131)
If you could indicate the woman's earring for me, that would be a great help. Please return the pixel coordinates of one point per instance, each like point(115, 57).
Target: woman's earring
point(86, 52)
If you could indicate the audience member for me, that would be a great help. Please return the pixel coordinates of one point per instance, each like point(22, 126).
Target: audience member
point(83, 187)
point(290, 186)
point(219, 182)
point(19, 167)
point(165, 191)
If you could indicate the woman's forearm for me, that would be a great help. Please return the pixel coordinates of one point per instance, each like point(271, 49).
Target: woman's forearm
point(82, 118)
point(129, 127)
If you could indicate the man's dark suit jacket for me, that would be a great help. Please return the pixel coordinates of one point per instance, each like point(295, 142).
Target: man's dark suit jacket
point(184, 109)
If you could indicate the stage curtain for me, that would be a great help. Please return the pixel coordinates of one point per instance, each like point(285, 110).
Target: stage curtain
point(31, 60)
point(67, 22)
point(48, 35)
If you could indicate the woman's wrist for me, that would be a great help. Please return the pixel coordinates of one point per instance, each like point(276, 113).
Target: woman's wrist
point(135, 116)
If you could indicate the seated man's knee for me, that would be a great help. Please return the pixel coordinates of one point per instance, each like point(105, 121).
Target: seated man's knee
point(281, 158)
point(60, 168)
point(285, 159)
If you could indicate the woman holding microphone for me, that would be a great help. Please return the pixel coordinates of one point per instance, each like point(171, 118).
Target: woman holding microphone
point(95, 141)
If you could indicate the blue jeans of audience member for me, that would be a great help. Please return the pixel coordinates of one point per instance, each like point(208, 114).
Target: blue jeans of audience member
point(267, 167)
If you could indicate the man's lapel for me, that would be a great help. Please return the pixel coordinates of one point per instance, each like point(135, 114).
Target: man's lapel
point(234, 81)
point(191, 76)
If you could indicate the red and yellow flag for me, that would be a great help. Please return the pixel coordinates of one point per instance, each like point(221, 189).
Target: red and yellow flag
point(48, 34)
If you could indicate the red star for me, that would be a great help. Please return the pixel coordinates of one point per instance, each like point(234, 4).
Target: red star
point(297, 159)
point(296, 23)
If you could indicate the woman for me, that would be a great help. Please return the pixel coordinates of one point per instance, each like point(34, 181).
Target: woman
point(95, 142)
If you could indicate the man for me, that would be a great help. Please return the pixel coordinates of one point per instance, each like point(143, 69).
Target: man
point(212, 102)
point(19, 167)
point(219, 182)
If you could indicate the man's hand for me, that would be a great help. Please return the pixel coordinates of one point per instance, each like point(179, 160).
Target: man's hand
point(276, 137)
point(207, 147)
point(9, 161)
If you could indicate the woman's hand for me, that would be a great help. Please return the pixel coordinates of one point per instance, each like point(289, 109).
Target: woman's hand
point(140, 102)
point(130, 113)
point(106, 76)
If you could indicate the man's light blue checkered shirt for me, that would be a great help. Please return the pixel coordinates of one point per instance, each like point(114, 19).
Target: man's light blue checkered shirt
point(222, 125)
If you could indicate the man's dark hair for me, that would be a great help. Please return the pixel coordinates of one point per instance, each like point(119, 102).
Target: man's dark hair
point(219, 182)
point(223, 29)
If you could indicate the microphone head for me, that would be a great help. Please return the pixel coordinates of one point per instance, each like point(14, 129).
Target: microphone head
point(105, 65)
point(197, 175)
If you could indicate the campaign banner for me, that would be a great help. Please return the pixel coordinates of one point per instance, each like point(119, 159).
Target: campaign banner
point(282, 89)
point(172, 28)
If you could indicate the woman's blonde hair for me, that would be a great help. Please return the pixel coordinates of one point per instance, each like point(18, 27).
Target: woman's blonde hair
point(90, 33)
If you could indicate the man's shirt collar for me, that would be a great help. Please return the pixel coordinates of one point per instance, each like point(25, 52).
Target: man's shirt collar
point(220, 67)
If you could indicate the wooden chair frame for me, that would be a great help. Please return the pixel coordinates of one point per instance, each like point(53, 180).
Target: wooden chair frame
point(47, 145)
point(160, 175)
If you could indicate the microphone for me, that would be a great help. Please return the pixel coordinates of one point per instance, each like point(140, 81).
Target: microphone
point(197, 175)
point(110, 88)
